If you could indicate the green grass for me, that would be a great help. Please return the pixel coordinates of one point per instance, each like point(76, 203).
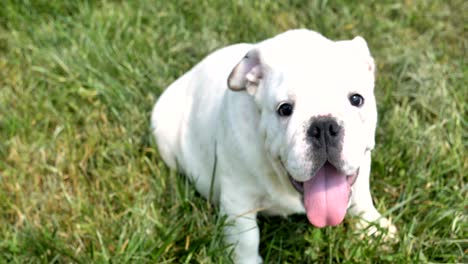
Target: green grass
point(82, 182)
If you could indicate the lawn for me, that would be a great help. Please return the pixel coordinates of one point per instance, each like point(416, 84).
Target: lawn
point(81, 180)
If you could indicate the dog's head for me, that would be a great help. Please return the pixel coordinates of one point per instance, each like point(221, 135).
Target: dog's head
point(318, 113)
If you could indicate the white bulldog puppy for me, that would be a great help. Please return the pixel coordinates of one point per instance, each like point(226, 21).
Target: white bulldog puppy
point(279, 127)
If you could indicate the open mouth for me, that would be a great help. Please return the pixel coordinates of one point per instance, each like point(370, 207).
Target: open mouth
point(299, 186)
point(326, 195)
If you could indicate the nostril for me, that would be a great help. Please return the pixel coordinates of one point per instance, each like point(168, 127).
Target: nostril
point(333, 129)
point(314, 132)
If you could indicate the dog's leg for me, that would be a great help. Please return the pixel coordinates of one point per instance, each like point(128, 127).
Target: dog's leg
point(361, 203)
point(241, 230)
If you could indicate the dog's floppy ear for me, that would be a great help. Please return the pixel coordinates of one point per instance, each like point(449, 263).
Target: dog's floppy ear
point(247, 73)
point(361, 45)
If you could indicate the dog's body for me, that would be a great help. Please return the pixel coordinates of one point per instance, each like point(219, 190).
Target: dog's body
point(256, 125)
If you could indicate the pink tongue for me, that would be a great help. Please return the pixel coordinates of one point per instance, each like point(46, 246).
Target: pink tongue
point(326, 197)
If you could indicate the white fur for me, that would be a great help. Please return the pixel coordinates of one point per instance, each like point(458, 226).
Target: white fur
point(198, 122)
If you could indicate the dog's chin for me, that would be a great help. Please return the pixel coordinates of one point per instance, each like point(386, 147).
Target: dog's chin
point(299, 185)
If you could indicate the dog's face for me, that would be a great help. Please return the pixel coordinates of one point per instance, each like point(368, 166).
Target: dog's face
point(318, 114)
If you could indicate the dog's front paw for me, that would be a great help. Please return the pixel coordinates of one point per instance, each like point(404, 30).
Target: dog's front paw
point(381, 227)
point(387, 230)
point(249, 260)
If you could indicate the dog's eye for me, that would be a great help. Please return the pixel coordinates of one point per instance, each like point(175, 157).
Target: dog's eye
point(356, 100)
point(285, 109)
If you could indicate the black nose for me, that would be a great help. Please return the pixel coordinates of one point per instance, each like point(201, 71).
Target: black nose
point(325, 132)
